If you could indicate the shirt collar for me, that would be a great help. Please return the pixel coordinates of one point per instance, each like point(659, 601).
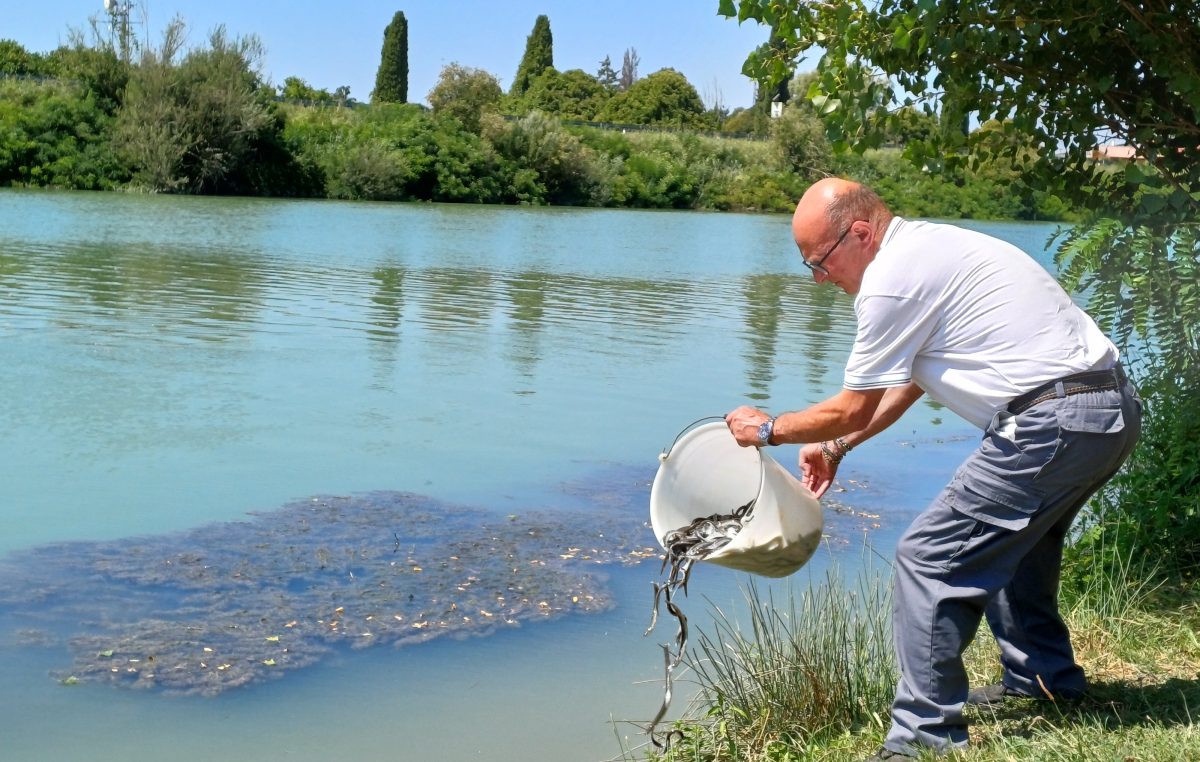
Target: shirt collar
point(893, 227)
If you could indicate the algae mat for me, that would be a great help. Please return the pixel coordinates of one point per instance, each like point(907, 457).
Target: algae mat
point(230, 604)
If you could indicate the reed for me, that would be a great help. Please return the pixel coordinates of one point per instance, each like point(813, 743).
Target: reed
point(792, 674)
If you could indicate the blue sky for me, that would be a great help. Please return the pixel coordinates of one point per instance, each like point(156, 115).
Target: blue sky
point(335, 43)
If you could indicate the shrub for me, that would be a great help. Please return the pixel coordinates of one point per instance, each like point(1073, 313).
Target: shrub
point(55, 134)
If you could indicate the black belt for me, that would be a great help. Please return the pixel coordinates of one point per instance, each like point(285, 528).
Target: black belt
point(1076, 383)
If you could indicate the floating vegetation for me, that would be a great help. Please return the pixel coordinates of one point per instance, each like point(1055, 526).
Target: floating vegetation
point(230, 604)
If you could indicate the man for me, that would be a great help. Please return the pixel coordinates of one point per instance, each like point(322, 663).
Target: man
point(983, 329)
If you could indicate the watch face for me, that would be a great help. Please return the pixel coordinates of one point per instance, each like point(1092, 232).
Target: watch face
point(764, 432)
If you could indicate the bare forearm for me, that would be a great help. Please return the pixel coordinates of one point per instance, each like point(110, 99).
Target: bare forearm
point(894, 403)
point(836, 416)
point(849, 414)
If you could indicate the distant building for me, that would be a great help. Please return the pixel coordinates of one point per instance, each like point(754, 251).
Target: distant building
point(1115, 153)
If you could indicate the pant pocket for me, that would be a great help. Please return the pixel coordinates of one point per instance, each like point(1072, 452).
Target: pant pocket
point(993, 501)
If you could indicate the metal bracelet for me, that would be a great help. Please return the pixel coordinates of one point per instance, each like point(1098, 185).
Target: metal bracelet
point(829, 456)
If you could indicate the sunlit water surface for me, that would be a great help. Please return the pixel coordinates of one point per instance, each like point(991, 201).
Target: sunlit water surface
point(169, 363)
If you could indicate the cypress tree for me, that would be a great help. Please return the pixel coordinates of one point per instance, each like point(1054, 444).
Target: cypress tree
point(391, 81)
point(539, 55)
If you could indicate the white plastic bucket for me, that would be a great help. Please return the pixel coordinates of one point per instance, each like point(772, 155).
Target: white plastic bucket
point(707, 472)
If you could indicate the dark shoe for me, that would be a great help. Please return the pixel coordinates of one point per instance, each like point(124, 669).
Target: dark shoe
point(883, 754)
point(993, 695)
point(997, 694)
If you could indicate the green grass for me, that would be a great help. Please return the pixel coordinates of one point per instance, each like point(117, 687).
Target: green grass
point(811, 678)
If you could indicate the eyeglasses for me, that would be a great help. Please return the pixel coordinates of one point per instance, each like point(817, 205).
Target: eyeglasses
point(819, 265)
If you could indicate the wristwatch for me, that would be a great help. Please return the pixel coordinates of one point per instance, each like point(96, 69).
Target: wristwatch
point(765, 430)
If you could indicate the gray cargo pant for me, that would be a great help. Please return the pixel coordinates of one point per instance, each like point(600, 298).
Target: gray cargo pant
point(991, 543)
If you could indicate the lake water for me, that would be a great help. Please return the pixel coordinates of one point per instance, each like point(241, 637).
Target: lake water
point(172, 364)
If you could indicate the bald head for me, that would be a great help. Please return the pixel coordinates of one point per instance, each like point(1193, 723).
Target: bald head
point(812, 214)
point(838, 213)
point(832, 204)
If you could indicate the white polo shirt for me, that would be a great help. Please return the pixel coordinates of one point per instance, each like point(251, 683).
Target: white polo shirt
point(973, 320)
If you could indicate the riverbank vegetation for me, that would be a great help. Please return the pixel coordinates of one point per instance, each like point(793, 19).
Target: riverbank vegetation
point(1129, 579)
point(812, 678)
point(201, 120)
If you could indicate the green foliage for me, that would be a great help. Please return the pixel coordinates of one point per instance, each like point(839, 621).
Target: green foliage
point(556, 167)
point(1152, 508)
point(391, 80)
point(54, 134)
point(193, 127)
point(381, 153)
point(465, 94)
point(659, 174)
point(1001, 59)
point(98, 69)
point(467, 168)
point(663, 98)
point(296, 89)
point(1145, 287)
point(800, 144)
point(539, 56)
point(745, 121)
point(16, 60)
point(573, 94)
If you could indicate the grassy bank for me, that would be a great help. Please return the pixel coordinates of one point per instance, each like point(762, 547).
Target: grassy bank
point(812, 678)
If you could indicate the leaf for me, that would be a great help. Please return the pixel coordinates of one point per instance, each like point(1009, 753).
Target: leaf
point(106, 654)
point(269, 662)
point(1152, 204)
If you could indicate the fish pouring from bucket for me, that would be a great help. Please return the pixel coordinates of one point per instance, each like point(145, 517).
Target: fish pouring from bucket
point(773, 534)
point(685, 546)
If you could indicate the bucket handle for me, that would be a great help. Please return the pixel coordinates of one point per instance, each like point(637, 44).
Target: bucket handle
point(744, 512)
point(667, 452)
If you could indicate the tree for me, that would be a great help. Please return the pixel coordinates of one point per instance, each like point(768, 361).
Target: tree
point(391, 80)
point(606, 75)
point(800, 145)
point(98, 68)
point(296, 89)
point(1133, 78)
point(1002, 59)
point(15, 59)
point(464, 94)
point(573, 94)
point(663, 98)
point(539, 56)
point(629, 69)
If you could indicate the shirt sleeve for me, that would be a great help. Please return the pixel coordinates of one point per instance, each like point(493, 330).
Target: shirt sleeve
point(892, 331)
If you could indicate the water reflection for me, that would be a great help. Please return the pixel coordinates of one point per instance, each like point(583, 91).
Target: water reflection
point(387, 303)
point(526, 293)
point(829, 328)
point(214, 294)
point(764, 305)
